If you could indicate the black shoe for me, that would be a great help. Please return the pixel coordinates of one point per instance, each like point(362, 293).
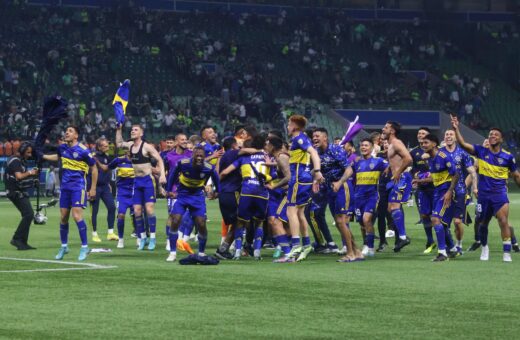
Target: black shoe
point(516, 249)
point(474, 246)
point(19, 244)
point(400, 244)
point(223, 255)
point(440, 258)
point(320, 249)
point(381, 247)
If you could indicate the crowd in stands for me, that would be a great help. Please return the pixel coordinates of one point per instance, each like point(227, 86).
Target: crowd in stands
point(220, 69)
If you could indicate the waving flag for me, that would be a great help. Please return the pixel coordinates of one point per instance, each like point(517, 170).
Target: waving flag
point(121, 101)
point(353, 129)
point(54, 110)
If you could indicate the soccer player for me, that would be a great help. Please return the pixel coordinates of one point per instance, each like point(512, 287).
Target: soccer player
point(421, 170)
point(252, 206)
point(125, 185)
point(170, 143)
point(445, 178)
point(281, 175)
point(144, 186)
point(301, 184)
point(173, 158)
point(209, 143)
point(335, 169)
point(399, 159)
point(464, 166)
point(191, 176)
point(103, 192)
point(76, 160)
point(494, 167)
point(228, 195)
point(367, 171)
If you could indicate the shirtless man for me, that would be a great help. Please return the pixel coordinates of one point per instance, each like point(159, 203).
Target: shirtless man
point(144, 186)
point(401, 183)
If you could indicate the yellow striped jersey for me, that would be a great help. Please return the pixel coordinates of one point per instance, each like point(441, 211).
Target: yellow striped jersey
point(493, 170)
point(75, 163)
point(442, 170)
point(367, 173)
point(300, 159)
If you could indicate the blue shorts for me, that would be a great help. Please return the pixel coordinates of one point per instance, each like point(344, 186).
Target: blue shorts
point(250, 207)
point(123, 203)
point(425, 201)
point(365, 205)
point(274, 202)
point(70, 198)
point(281, 213)
point(340, 202)
point(144, 190)
point(445, 214)
point(299, 193)
point(489, 205)
point(400, 192)
point(459, 207)
point(228, 203)
point(196, 204)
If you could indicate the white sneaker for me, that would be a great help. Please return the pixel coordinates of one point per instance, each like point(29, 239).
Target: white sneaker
point(364, 251)
point(343, 251)
point(172, 257)
point(370, 252)
point(167, 245)
point(507, 257)
point(121, 244)
point(484, 255)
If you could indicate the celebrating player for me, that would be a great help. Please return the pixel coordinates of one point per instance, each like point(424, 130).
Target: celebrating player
point(399, 159)
point(144, 186)
point(494, 167)
point(76, 160)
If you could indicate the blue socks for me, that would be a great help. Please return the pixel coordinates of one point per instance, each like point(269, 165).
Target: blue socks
point(120, 227)
point(506, 245)
point(449, 239)
point(173, 236)
point(483, 231)
point(139, 225)
point(152, 224)
point(259, 235)
point(428, 229)
point(370, 240)
point(441, 237)
point(283, 241)
point(306, 241)
point(64, 233)
point(82, 227)
point(398, 218)
point(202, 242)
point(295, 241)
point(239, 234)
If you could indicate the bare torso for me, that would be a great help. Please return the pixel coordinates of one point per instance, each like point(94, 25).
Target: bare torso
point(394, 159)
point(141, 170)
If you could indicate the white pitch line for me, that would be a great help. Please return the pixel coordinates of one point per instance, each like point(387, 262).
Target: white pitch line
point(83, 266)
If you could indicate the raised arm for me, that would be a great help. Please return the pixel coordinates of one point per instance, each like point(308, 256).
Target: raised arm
point(466, 146)
point(120, 143)
point(52, 157)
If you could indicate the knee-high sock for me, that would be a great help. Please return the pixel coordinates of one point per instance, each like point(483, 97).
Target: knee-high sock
point(428, 229)
point(120, 227)
point(441, 237)
point(370, 240)
point(483, 231)
point(259, 235)
point(139, 226)
point(173, 236)
point(82, 228)
point(202, 242)
point(152, 224)
point(64, 234)
point(313, 224)
point(398, 217)
point(449, 238)
point(283, 241)
point(239, 234)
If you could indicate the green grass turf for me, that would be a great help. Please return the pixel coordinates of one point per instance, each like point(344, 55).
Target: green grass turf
point(393, 296)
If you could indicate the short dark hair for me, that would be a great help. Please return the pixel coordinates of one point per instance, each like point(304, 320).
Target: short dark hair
point(497, 129)
point(276, 133)
point(432, 138)
point(75, 127)
point(396, 126)
point(258, 142)
point(170, 137)
point(367, 140)
point(276, 142)
point(205, 127)
point(198, 147)
point(228, 143)
point(351, 143)
point(425, 128)
point(321, 129)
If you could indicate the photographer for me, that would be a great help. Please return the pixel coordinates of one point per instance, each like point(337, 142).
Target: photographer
point(18, 181)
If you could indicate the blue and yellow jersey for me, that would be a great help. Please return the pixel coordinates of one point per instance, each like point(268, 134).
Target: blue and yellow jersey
point(367, 173)
point(493, 170)
point(255, 174)
point(300, 159)
point(75, 162)
point(334, 161)
point(125, 174)
point(462, 161)
point(420, 167)
point(210, 149)
point(442, 170)
point(192, 179)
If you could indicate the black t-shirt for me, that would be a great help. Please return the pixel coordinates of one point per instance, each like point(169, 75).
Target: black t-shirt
point(14, 165)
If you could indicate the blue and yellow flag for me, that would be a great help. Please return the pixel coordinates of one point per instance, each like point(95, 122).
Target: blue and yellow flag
point(121, 101)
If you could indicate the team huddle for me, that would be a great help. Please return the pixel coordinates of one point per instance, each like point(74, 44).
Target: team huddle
point(274, 192)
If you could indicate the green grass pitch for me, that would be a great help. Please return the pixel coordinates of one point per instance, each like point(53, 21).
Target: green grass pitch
point(393, 296)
